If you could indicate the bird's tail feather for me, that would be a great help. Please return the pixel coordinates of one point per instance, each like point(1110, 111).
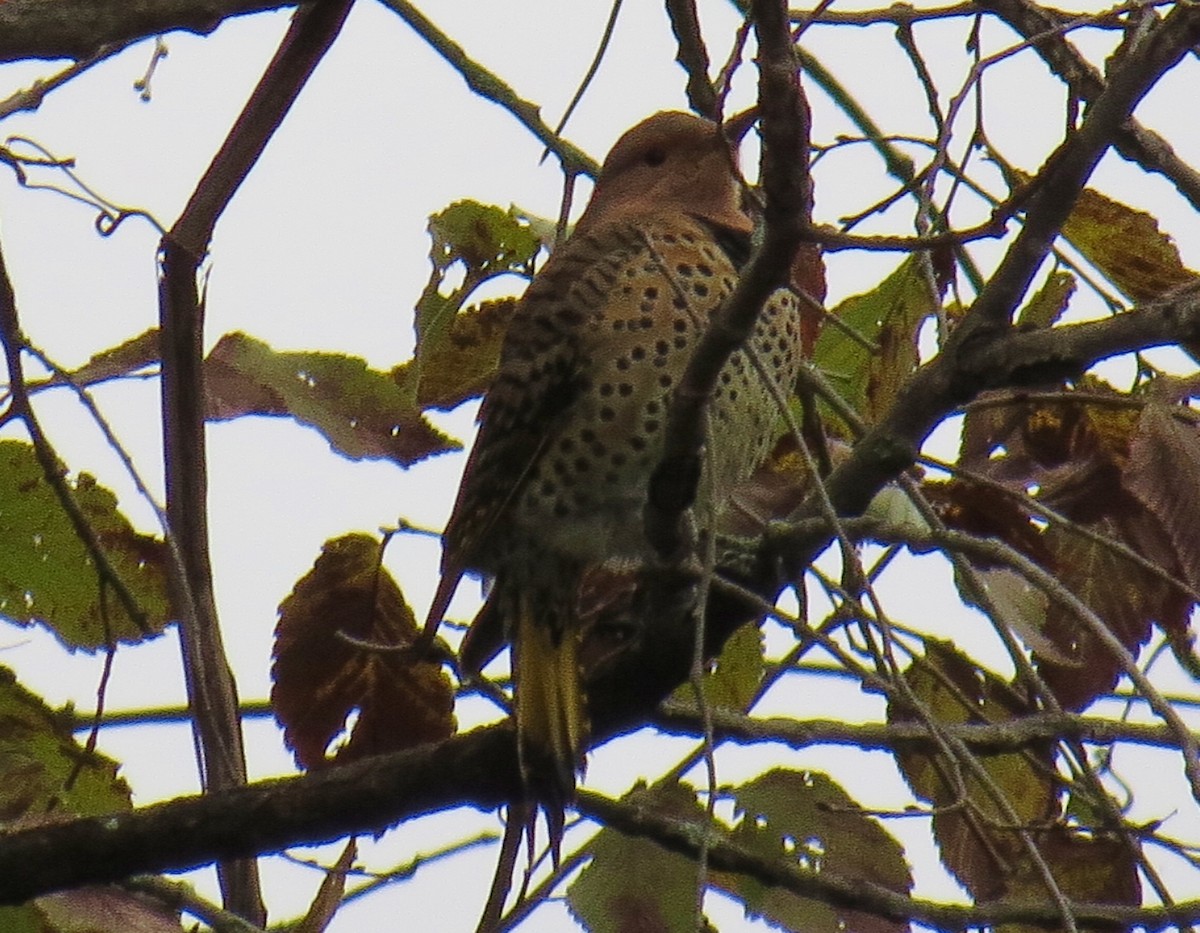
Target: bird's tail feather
point(552, 720)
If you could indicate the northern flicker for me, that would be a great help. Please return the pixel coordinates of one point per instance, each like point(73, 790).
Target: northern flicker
point(572, 427)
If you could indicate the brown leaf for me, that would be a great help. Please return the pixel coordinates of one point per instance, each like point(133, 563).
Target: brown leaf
point(1163, 474)
point(1126, 598)
point(321, 680)
point(1126, 245)
point(978, 841)
point(978, 510)
point(104, 909)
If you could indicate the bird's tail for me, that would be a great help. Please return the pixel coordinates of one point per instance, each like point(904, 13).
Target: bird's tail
point(551, 710)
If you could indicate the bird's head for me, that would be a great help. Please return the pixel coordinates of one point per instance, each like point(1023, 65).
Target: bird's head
point(670, 162)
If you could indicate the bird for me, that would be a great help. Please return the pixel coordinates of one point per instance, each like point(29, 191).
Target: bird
point(572, 426)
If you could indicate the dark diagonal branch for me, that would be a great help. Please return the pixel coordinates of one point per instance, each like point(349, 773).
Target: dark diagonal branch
point(1132, 140)
point(212, 693)
point(79, 28)
point(785, 129)
point(692, 56)
point(489, 86)
point(954, 376)
point(13, 342)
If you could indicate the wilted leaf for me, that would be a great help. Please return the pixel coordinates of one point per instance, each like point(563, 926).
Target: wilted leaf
point(329, 896)
point(362, 412)
point(1045, 308)
point(43, 770)
point(980, 511)
point(979, 843)
point(634, 885)
point(462, 365)
point(887, 320)
point(321, 680)
point(1126, 598)
point(1126, 245)
point(134, 354)
point(47, 574)
point(107, 909)
point(1163, 474)
point(805, 817)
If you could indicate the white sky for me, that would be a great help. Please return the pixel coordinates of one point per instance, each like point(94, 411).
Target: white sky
point(325, 248)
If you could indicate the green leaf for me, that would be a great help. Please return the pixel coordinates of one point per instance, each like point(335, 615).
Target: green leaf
point(46, 572)
point(483, 237)
point(635, 885)
point(1045, 308)
point(43, 770)
point(807, 818)
point(733, 681)
point(461, 366)
point(362, 412)
point(873, 353)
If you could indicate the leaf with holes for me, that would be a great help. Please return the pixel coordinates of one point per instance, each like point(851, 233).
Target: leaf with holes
point(322, 680)
point(362, 412)
point(807, 819)
point(48, 575)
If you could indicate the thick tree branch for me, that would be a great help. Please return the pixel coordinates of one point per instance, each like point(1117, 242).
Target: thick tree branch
point(1131, 140)
point(79, 28)
point(212, 693)
point(953, 377)
point(785, 130)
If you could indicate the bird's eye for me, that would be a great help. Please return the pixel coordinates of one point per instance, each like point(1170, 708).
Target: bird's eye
point(654, 157)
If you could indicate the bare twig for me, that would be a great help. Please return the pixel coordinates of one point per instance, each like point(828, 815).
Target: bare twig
point(487, 85)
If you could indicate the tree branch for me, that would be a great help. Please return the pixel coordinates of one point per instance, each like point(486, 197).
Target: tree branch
point(78, 29)
point(953, 377)
point(212, 693)
point(490, 87)
point(785, 129)
point(1131, 140)
point(725, 854)
point(683, 718)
